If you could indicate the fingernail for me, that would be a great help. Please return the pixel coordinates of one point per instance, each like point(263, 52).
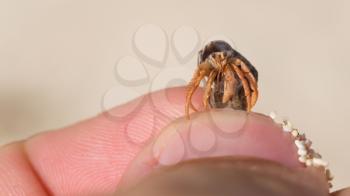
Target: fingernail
point(220, 132)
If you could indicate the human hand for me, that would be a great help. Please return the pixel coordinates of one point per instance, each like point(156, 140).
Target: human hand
point(91, 157)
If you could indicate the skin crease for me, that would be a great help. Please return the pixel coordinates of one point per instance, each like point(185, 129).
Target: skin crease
point(90, 157)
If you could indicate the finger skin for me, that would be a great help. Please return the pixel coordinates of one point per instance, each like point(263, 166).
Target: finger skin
point(16, 175)
point(90, 157)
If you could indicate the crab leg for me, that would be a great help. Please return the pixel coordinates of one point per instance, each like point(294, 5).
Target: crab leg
point(252, 81)
point(193, 85)
point(245, 85)
point(229, 84)
point(208, 88)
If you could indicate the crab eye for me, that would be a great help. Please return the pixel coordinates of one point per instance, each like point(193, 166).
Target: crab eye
point(212, 61)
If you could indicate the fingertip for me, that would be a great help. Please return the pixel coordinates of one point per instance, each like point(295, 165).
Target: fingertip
point(217, 133)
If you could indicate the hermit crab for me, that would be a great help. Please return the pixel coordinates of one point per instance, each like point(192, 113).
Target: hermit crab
point(231, 80)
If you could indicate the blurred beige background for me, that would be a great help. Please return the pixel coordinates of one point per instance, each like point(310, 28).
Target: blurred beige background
point(58, 58)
